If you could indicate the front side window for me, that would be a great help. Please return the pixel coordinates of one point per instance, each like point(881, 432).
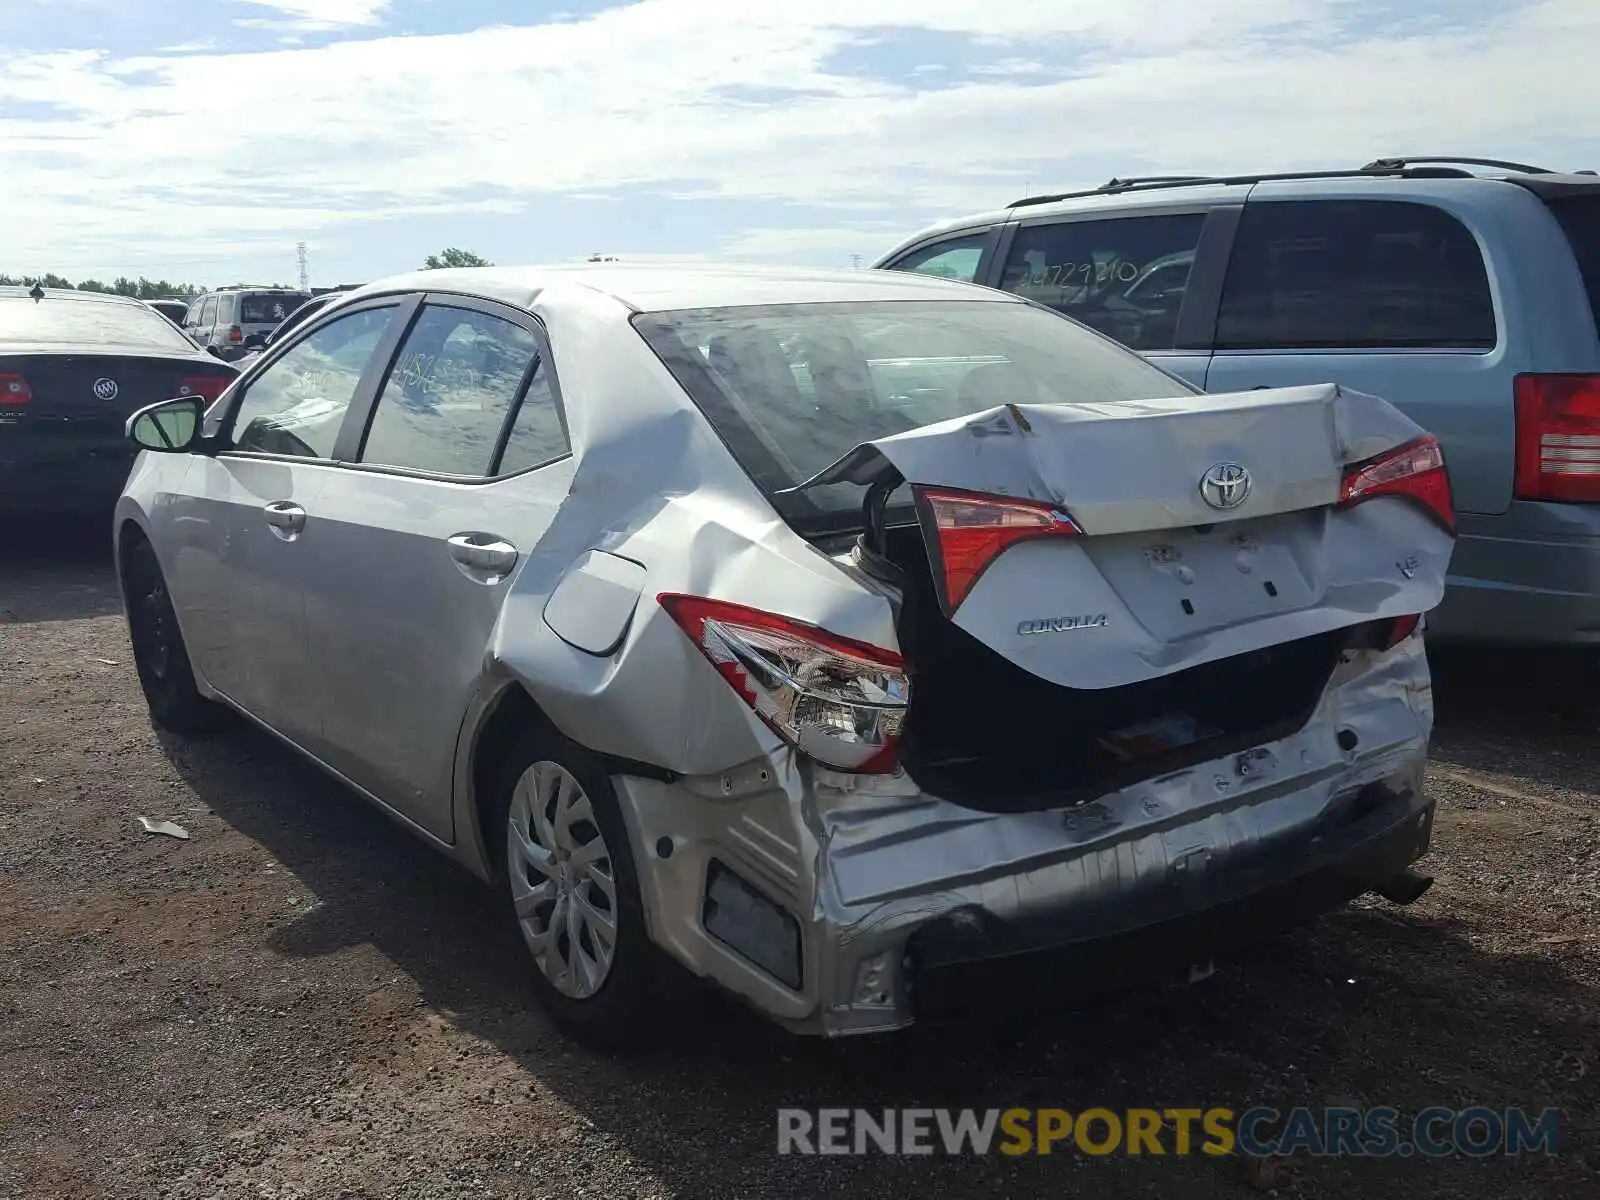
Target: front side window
point(1354, 274)
point(454, 381)
point(1125, 277)
point(956, 259)
point(793, 388)
point(296, 405)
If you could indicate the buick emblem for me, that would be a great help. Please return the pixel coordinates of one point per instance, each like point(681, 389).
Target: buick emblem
point(1225, 485)
point(105, 389)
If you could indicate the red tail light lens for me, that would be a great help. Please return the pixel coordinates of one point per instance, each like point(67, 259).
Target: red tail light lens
point(1400, 629)
point(14, 390)
point(1558, 437)
point(235, 334)
point(1415, 471)
point(840, 701)
point(973, 530)
point(207, 387)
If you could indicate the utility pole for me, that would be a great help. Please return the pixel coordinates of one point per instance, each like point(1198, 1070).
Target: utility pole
point(305, 270)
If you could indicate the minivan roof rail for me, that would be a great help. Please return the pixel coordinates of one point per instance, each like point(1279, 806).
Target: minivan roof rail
point(1427, 167)
point(1499, 164)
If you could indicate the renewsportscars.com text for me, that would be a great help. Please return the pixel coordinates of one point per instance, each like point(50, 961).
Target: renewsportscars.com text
point(1477, 1132)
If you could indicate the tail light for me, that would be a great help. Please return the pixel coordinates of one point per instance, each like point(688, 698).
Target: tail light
point(840, 701)
point(1558, 437)
point(14, 390)
point(1400, 629)
point(235, 334)
point(973, 530)
point(1414, 471)
point(207, 387)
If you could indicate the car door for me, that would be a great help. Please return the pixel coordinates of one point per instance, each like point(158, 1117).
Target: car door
point(247, 530)
point(204, 321)
point(1132, 276)
point(458, 471)
point(1384, 296)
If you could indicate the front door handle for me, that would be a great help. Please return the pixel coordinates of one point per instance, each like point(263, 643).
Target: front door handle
point(484, 557)
point(285, 516)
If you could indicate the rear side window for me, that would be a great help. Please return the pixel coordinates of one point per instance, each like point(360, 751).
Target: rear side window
point(1580, 219)
point(1354, 274)
point(955, 259)
point(446, 400)
point(1124, 277)
point(208, 311)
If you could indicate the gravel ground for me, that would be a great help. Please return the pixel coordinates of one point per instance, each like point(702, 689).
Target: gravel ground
point(303, 1002)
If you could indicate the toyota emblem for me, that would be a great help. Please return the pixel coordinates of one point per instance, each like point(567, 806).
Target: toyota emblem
point(1225, 485)
point(105, 389)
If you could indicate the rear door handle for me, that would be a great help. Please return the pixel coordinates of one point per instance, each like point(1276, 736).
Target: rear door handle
point(485, 557)
point(285, 515)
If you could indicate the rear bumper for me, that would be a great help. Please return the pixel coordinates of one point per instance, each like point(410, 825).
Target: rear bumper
point(895, 895)
point(1529, 577)
point(60, 475)
point(966, 962)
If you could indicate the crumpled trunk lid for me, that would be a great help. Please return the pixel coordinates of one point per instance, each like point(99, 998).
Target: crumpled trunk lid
point(1161, 577)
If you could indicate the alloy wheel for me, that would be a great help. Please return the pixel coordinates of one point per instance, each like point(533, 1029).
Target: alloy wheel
point(562, 881)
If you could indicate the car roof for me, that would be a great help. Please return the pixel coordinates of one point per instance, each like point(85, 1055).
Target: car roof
point(17, 290)
point(662, 286)
point(1431, 174)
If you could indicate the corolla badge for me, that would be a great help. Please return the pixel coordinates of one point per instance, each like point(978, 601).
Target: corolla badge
point(1225, 485)
point(1063, 624)
point(105, 389)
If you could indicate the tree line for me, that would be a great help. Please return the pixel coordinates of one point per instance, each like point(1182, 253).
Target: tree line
point(143, 288)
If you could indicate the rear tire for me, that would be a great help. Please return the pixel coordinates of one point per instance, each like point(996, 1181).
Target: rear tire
point(159, 653)
point(566, 872)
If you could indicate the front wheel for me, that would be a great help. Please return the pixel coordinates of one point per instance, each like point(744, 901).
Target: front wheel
point(159, 653)
point(572, 886)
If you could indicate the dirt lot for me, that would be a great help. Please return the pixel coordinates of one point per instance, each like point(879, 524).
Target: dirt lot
point(302, 1002)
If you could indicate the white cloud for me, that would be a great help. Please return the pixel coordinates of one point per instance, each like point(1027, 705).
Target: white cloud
point(314, 15)
point(702, 97)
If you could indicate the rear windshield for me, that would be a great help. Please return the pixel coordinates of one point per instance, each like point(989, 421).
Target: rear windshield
point(1580, 217)
point(87, 322)
point(791, 389)
point(268, 309)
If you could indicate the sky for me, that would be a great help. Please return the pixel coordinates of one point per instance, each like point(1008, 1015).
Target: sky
point(202, 140)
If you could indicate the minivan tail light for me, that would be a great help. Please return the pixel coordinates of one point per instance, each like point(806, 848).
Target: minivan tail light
point(207, 387)
point(1558, 437)
point(972, 530)
point(14, 390)
point(1414, 471)
point(235, 334)
point(840, 701)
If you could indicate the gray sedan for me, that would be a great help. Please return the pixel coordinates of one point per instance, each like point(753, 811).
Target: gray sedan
point(868, 644)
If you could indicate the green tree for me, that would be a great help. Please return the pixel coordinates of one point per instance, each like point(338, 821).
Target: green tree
point(454, 257)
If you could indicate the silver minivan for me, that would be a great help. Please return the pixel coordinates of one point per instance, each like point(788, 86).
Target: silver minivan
point(232, 321)
point(1464, 291)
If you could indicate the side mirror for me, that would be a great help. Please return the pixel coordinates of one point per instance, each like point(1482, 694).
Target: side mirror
point(170, 427)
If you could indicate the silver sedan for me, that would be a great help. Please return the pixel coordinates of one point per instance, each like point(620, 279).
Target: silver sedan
point(866, 643)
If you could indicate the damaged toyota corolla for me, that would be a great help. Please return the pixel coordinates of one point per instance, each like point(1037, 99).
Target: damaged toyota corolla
point(866, 643)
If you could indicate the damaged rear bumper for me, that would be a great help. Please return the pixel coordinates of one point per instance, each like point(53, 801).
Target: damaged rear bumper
point(841, 911)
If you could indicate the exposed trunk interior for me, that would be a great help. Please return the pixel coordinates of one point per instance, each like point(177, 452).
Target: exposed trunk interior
point(987, 734)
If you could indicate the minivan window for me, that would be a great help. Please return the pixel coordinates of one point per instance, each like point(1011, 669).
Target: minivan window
point(793, 388)
point(1354, 274)
point(955, 259)
point(1580, 220)
point(268, 309)
point(1125, 277)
